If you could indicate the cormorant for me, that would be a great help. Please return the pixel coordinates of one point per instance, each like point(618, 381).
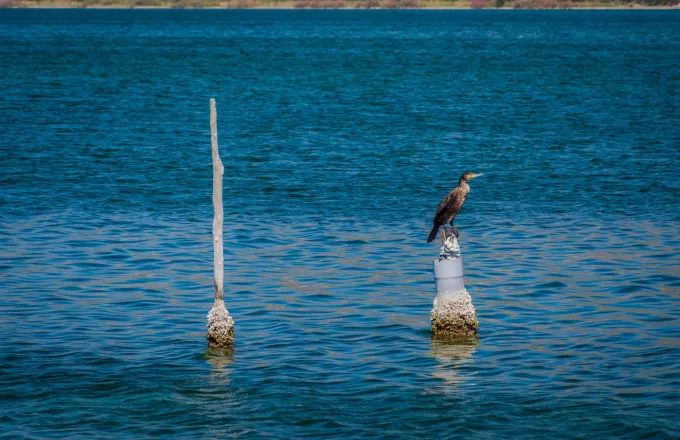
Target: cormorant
point(451, 204)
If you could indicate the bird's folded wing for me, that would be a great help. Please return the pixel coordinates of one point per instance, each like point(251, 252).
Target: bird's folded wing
point(449, 207)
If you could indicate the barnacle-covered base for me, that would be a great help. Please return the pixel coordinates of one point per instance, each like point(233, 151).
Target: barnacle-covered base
point(220, 327)
point(454, 317)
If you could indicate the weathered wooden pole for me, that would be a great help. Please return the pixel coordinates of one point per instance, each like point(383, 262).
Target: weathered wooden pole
point(452, 312)
point(220, 324)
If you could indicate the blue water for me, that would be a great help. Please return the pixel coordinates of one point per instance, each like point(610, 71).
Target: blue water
point(340, 132)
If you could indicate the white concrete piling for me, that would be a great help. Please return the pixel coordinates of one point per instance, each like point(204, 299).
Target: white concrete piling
point(452, 312)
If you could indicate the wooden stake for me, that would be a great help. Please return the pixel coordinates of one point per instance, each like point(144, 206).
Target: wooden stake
point(218, 219)
point(220, 324)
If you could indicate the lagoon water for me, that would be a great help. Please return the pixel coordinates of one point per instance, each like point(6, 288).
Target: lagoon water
point(340, 132)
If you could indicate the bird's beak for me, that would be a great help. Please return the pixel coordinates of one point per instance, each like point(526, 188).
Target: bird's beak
point(476, 175)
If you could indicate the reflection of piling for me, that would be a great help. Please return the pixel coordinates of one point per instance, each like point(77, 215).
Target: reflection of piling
point(452, 353)
point(452, 313)
point(220, 324)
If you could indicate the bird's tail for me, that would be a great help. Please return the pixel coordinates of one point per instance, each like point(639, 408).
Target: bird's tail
point(433, 233)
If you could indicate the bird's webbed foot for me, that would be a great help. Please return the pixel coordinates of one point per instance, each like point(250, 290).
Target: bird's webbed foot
point(452, 230)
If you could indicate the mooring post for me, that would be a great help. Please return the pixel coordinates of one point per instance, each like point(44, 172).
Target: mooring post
point(452, 313)
point(220, 324)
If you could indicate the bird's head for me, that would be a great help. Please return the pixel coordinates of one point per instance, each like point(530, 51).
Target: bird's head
point(467, 176)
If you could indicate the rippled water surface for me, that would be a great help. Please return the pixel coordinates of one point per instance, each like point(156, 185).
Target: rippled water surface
point(340, 132)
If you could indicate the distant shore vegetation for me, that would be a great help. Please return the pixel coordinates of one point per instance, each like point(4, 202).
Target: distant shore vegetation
point(345, 4)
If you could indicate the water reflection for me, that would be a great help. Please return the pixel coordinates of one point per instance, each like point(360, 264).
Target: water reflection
point(451, 355)
point(221, 360)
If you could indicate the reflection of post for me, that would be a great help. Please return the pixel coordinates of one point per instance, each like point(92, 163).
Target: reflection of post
point(452, 313)
point(452, 354)
point(221, 360)
point(220, 324)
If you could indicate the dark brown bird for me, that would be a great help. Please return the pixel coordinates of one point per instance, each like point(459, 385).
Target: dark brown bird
point(451, 204)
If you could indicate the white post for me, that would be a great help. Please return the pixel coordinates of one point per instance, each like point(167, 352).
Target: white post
point(218, 219)
point(452, 312)
point(220, 324)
